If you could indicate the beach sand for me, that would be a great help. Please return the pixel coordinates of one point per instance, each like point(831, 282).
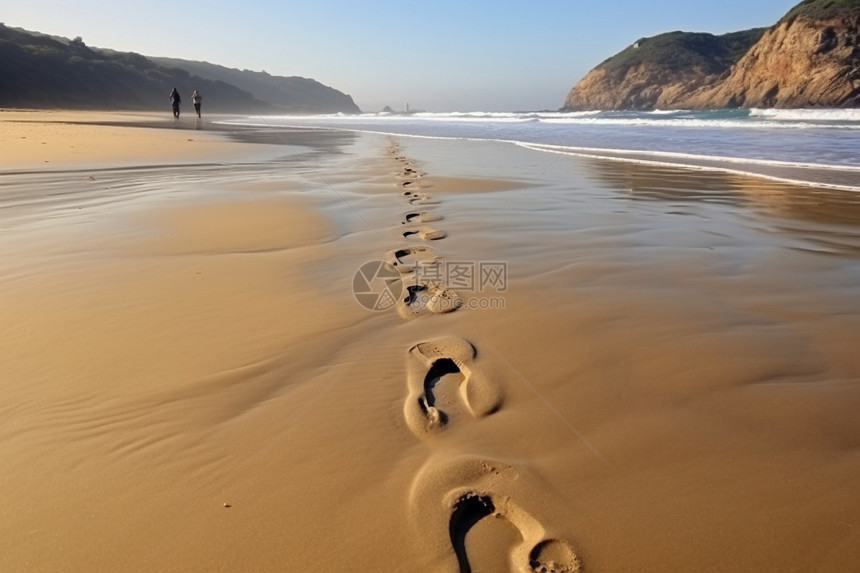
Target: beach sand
point(648, 369)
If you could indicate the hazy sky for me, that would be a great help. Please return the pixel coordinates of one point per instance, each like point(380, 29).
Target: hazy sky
point(435, 55)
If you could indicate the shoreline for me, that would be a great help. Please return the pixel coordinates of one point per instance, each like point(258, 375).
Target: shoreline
point(800, 172)
point(834, 177)
point(193, 383)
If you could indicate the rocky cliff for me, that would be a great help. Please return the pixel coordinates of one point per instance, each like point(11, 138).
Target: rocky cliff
point(661, 71)
point(799, 62)
point(809, 58)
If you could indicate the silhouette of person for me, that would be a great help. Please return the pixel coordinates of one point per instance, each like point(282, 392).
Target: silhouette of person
point(196, 99)
point(174, 97)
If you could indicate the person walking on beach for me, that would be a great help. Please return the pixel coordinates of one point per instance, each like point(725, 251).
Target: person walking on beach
point(195, 99)
point(174, 97)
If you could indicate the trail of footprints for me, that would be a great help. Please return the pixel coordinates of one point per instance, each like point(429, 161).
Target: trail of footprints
point(421, 296)
point(469, 488)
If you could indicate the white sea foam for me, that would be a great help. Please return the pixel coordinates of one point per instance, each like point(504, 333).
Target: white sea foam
point(684, 123)
point(752, 119)
point(808, 114)
point(734, 165)
point(748, 140)
point(690, 158)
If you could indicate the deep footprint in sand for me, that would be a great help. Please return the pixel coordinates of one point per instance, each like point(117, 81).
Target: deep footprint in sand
point(423, 299)
point(421, 217)
point(407, 259)
point(546, 556)
point(471, 490)
point(425, 233)
point(429, 363)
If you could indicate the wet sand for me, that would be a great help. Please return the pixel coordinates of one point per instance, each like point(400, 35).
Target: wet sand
point(839, 177)
point(657, 370)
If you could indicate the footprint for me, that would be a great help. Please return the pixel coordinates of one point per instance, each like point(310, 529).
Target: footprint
point(472, 489)
point(422, 299)
point(410, 175)
point(546, 556)
point(421, 217)
point(425, 233)
point(420, 198)
point(429, 363)
point(407, 259)
point(553, 556)
point(409, 171)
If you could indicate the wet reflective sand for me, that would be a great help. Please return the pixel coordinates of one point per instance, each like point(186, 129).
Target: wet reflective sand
point(667, 379)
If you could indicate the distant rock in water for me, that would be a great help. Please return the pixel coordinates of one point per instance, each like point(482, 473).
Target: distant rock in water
point(809, 58)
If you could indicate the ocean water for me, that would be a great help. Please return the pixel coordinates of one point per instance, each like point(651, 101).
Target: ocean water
point(810, 146)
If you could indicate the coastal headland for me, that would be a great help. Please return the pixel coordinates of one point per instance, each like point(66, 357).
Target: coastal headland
point(807, 59)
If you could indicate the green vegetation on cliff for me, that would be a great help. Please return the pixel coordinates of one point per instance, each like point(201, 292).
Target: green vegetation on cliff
point(809, 58)
point(823, 9)
point(682, 51)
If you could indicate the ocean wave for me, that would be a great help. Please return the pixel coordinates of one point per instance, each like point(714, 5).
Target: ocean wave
point(490, 115)
point(807, 114)
point(795, 172)
point(679, 136)
point(687, 123)
point(755, 119)
point(669, 111)
point(689, 156)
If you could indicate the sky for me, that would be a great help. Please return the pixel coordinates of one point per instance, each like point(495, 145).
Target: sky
point(436, 55)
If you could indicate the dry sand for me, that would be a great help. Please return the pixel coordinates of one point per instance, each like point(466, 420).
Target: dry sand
point(668, 379)
point(59, 139)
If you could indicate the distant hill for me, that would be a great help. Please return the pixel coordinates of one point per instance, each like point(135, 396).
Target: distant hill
point(810, 57)
point(294, 94)
point(40, 71)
